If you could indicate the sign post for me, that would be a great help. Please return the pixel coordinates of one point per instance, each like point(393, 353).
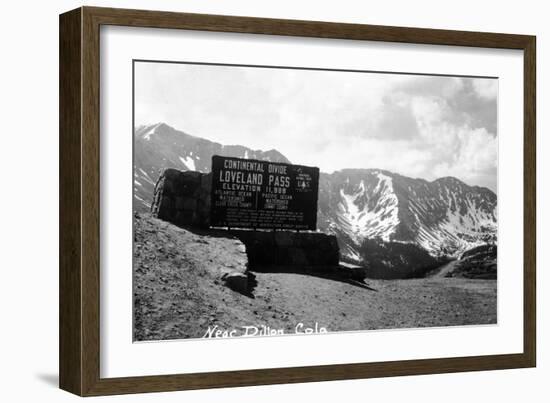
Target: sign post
point(263, 195)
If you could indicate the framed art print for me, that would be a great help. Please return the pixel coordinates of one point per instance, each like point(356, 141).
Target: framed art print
point(250, 201)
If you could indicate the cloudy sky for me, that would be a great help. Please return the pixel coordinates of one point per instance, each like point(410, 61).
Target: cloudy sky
point(419, 126)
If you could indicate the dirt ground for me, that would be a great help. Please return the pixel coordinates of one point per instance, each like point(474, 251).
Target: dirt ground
point(178, 294)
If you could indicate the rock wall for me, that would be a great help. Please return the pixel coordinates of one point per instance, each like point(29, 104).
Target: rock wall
point(183, 198)
point(287, 248)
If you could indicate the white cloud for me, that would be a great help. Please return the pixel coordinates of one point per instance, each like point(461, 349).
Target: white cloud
point(414, 125)
point(474, 159)
point(486, 88)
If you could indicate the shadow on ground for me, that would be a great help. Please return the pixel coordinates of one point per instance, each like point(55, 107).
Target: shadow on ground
point(336, 273)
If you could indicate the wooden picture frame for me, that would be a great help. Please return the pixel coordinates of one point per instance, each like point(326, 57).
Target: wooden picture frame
point(79, 347)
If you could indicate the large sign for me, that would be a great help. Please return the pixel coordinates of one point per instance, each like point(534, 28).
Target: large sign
point(262, 194)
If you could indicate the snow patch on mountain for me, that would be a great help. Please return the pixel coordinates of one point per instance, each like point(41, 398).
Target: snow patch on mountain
point(460, 230)
point(357, 216)
point(150, 131)
point(188, 162)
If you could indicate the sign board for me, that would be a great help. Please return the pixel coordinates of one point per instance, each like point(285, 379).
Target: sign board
point(262, 194)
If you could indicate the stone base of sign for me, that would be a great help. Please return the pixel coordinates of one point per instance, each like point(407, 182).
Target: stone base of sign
point(288, 248)
point(183, 198)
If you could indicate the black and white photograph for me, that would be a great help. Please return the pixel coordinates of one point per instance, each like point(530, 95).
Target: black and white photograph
point(272, 201)
point(276, 201)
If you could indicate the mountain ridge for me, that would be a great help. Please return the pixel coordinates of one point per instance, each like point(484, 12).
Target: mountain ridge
point(445, 216)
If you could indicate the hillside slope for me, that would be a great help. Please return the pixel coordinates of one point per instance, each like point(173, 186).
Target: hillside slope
point(178, 292)
point(479, 262)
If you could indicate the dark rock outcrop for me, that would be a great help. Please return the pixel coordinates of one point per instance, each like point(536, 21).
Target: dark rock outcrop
point(479, 263)
point(236, 281)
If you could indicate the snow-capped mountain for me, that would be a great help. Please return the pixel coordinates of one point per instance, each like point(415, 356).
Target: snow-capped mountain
point(444, 217)
point(160, 146)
